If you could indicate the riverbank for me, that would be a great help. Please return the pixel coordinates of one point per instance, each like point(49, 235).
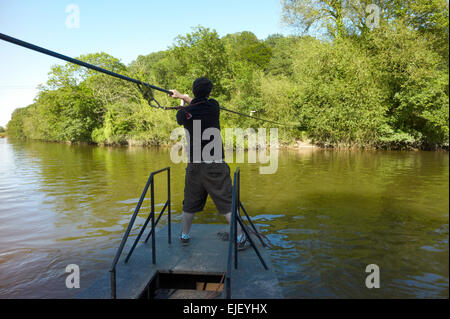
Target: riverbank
point(296, 144)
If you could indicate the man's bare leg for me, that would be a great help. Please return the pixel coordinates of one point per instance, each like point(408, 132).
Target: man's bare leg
point(187, 219)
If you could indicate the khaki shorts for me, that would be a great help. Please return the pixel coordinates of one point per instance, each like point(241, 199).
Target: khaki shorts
point(207, 178)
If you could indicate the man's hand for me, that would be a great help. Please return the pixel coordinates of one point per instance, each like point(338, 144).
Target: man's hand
point(178, 95)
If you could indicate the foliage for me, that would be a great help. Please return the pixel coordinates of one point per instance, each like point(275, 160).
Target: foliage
point(384, 87)
point(339, 99)
point(415, 84)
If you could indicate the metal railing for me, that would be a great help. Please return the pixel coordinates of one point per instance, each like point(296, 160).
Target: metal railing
point(236, 206)
point(151, 217)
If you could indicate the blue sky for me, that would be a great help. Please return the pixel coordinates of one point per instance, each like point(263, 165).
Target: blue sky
point(124, 29)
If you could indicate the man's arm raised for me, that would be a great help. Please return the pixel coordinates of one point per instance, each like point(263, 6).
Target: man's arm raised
point(184, 97)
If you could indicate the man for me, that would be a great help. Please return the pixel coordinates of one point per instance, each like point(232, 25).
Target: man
point(210, 175)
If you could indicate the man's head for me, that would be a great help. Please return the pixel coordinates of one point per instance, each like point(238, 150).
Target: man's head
point(202, 87)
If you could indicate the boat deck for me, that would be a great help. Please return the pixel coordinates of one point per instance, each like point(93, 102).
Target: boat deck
point(205, 255)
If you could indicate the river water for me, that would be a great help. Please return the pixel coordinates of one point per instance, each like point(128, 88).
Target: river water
point(328, 214)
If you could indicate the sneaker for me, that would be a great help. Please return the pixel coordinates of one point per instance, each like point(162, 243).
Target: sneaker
point(243, 243)
point(185, 239)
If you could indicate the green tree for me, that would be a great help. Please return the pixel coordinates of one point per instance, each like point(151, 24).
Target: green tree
point(283, 49)
point(339, 99)
point(328, 14)
point(349, 17)
point(246, 47)
point(416, 86)
point(15, 125)
point(201, 53)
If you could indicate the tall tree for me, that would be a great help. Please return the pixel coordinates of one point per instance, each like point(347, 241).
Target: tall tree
point(344, 17)
point(245, 46)
point(200, 53)
point(318, 14)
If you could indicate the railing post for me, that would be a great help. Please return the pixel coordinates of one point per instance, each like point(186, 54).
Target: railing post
point(152, 194)
point(113, 283)
point(232, 240)
point(234, 216)
point(168, 206)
